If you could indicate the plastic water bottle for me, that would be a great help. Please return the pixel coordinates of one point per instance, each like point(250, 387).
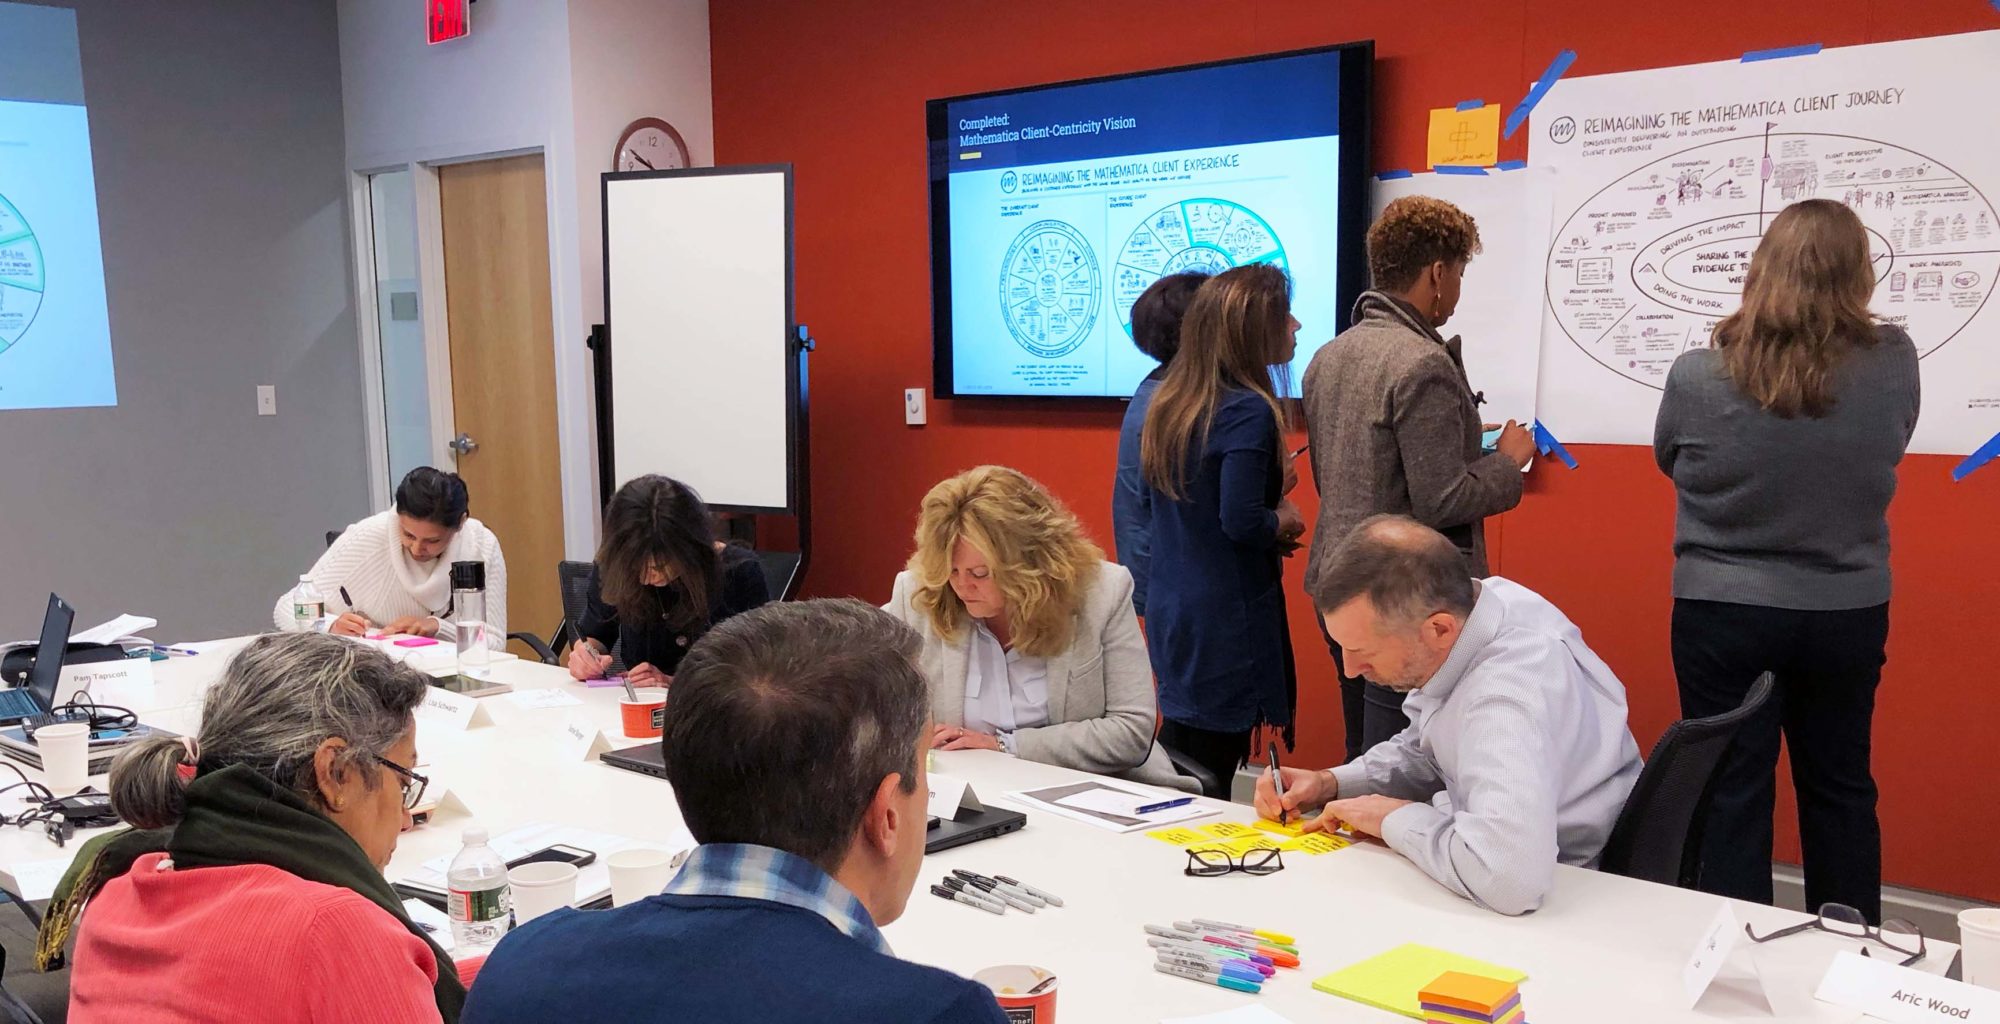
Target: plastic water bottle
point(308, 604)
point(468, 619)
point(480, 903)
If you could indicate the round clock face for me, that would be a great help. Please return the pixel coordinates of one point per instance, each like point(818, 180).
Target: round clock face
point(650, 144)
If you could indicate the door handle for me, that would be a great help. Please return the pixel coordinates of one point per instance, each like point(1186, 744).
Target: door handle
point(463, 444)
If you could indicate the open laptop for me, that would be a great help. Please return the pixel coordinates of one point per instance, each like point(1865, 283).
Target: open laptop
point(39, 696)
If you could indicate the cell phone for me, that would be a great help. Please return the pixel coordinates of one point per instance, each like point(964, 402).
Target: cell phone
point(557, 854)
point(1490, 440)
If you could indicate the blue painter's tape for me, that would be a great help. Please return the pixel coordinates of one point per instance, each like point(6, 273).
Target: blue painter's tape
point(1547, 444)
point(1476, 104)
point(1453, 169)
point(1542, 85)
point(1515, 165)
point(1805, 50)
point(1987, 452)
point(1390, 175)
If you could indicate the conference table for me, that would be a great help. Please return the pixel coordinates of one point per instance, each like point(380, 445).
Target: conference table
point(1600, 948)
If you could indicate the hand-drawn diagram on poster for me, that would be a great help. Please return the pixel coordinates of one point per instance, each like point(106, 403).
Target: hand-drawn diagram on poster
point(1050, 289)
point(1668, 178)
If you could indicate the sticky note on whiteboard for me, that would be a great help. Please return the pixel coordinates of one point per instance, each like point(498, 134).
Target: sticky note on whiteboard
point(1464, 138)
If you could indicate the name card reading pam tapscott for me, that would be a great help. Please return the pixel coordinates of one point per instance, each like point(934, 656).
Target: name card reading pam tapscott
point(1902, 995)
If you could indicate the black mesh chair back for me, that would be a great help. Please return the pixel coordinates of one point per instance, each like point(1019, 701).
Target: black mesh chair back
point(1657, 837)
point(333, 535)
point(575, 580)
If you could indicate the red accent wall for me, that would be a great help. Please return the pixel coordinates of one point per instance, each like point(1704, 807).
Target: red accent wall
point(838, 88)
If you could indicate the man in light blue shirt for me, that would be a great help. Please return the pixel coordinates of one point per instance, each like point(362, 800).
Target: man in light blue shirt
point(1517, 756)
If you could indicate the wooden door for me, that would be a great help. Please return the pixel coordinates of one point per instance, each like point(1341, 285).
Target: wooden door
point(503, 380)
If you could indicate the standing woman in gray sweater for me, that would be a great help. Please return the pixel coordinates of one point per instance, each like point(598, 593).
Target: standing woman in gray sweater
point(1782, 442)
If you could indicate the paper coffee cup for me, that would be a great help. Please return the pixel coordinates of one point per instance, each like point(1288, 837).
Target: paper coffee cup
point(540, 888)
point(1027, 995)
point(65, 750)
point(646, 717)
point(637, 874)
point(1979, 946)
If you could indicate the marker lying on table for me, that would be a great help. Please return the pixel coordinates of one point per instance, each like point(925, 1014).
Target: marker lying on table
point(1012, 893)
point(1277, 937)
point(1200, 963)
point(958, 897)
point(1207, 940)
point(1222, 953)
point(1047, 897)
point(1211, 977)
point(960, 885)
point(1243, 942)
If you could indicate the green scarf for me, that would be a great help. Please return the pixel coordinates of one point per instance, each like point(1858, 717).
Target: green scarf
point(236, 816)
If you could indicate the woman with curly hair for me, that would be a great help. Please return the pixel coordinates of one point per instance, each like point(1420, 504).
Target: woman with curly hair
point(1030, 643)
point(1395, 425)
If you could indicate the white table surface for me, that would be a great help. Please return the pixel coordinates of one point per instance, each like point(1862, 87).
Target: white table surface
point(1600, 948)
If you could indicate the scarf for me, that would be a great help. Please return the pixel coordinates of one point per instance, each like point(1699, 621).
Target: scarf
point(428, 583)
point(234, 817)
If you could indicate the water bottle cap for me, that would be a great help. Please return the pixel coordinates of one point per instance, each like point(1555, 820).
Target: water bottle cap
point(474, 835)
point(468, 575)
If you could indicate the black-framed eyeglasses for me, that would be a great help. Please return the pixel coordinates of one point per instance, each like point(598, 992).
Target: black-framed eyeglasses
point(413, 784)
point(1897, 933)
point(1212, 863)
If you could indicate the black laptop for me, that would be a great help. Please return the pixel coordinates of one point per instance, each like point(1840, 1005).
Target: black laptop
point(646, 759)
point(38, 698)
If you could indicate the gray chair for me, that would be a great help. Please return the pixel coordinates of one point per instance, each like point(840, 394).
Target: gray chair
point(1658, 835)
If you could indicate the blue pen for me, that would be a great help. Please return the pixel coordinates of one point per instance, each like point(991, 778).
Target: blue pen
point(1212, 978)
point(164, 649)
point(1196, 963)
point(1166, 804)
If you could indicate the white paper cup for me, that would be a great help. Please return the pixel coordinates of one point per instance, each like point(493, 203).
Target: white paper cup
point(540, 888)
point(637, 874)
point(65, 750)
point(1979, 945)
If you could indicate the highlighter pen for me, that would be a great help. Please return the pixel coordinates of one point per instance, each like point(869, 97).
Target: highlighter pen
point(1048, 897)
point(1209, 977)
point(958, 897)
point(1195, 963)
point(1277, 937)
point(958, 885)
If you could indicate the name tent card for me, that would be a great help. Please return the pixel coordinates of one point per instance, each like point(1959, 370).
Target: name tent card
point(1716, 947)
point(452, 710)
point(581, 741)
point(1904, 995)
point(949, 796)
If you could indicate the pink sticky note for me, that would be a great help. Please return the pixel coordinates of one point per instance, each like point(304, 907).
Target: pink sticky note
point(416, 641)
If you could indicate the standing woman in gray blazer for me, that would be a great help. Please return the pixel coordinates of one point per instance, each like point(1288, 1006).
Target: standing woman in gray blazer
point(1030, 642)
point(1395, 425)
point(1782, 442)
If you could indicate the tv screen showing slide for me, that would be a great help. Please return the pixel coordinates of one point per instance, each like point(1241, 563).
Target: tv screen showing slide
point(55, 331)
point(1054, 207)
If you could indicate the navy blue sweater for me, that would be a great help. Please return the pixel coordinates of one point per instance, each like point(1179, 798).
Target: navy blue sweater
point(713, 959)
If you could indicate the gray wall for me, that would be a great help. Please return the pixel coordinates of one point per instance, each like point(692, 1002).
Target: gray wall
point(216, 132)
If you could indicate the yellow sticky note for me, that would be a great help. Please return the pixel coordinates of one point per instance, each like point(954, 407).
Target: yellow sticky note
point(1465, 138)
point(1292, 828)
point(1228, 830)
point(1244, 844)
point(1391, 981)
point(1180, 836)
point(1212, 846)
point(1316, 843)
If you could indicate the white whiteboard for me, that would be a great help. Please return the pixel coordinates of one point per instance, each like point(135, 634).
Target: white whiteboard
point(1499, 313)
point(698, 299)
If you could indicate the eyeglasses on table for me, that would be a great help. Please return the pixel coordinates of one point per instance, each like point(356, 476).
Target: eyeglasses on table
point(1897, 933)
point(1213, 863)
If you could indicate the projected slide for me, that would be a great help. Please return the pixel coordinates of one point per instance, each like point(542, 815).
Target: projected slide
point(1065, 203)
point(55, 332)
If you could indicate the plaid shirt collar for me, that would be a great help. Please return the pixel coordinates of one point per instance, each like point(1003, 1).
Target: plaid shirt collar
point(762, 873)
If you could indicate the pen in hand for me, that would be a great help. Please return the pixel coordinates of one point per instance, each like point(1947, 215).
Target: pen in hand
point(1278, 782)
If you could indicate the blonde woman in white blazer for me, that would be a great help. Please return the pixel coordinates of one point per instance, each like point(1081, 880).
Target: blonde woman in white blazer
point(1030, 642)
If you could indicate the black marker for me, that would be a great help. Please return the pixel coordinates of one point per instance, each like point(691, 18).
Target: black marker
point(958, 897)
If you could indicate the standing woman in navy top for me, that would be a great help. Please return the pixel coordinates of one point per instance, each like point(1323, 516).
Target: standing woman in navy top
point(1216, 477)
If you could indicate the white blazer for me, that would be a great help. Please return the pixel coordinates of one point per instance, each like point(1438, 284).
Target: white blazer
point(1102, 706)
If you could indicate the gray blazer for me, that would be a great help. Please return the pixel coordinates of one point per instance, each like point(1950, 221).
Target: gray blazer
point(1394, 428)
point(1102, 708)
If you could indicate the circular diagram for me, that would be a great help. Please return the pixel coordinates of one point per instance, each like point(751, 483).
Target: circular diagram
point(1050, 288)
point(1209, 235)
point(1644, 268)
point(21, 279)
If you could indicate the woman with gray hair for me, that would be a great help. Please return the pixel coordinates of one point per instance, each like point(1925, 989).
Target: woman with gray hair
point(250, 887)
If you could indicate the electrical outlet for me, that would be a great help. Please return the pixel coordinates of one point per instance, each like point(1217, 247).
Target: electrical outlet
point(913, 407)
point(267, 400)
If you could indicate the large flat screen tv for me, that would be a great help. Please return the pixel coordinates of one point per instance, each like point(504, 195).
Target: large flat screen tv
point(1053, 207)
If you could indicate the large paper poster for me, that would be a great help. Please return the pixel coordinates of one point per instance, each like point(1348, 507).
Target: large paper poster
point(1667, 178)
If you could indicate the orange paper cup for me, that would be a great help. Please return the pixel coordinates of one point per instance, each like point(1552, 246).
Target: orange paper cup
point(1027, 995)
point(646, 717)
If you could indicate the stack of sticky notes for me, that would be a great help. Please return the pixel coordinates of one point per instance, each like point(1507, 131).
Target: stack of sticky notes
point(1455, 997)
point(1238, 839)
point(1395, 980)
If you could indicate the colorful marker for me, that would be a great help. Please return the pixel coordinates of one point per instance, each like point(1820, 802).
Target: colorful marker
point(1277, 937)
point(1196, 963)
point(1210, 977)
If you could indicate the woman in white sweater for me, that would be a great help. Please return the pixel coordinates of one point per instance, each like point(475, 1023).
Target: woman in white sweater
point(392, 571)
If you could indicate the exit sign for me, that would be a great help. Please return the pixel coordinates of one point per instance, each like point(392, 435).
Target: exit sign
point(446, 20)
